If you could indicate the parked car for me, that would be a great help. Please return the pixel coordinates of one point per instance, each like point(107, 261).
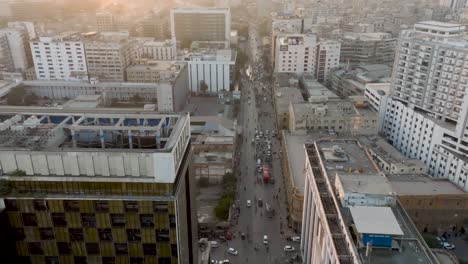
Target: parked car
point(249, 203)
point(232, 251)
point(296, 239)
point(289, 249)
point(214, 244)
point(447, 245)
point(265, 239)
point(260, 202)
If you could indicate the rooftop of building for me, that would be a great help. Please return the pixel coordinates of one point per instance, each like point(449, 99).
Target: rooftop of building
point(200, 9)
point(44, 129)
point(389, 153)
point(336, 108)
point(285, 96)
point(440, 25)
point(208, 55)
point(84, 101)
point(421, 184)
point(365, 73)
point(375, 36)
point(314, 88)
point(380, 88)
point(128, 85)
point(375, 220)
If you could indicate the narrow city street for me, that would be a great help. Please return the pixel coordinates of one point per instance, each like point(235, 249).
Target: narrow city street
point(258, 124)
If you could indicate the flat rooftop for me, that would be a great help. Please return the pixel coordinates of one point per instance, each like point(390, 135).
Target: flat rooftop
point(389, 153)
point(33, 128)
point(420, 184)
point(286, 95)
point(375, 220)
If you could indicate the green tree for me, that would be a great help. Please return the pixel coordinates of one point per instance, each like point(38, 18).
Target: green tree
point(17, 173)
point(16, 96)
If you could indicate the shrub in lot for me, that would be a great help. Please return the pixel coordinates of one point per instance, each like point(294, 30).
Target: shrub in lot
point(224, 204)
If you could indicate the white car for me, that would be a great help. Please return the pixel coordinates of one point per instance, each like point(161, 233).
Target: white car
point(265, 240)
point(296, 239)
point(249, 203)
point(232, 251)
point(447, 245)
point(214, 244)
point(289, 248)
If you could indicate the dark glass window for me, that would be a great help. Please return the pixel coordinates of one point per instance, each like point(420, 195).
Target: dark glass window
point(149, 249)
point(133, 235)
point(121, 249)
point(88, 220)
point(108, 260)
point(19, 234)
point(136, 260)
point(131, 206)
point(46, 233)
point(101, 206)
point(51, 260)
point(172, 221)
point(76, 234)
point(174, 252)
point(29, 219)
point(160, 207)
point(146, 220)
point(80, 260)
point(40, 205)
point(11, 205)
point(118, 220)
point(64, 248)
point(92, 248)
point(105, 234)
point(162, 235)
point(164, 260)
point(71, 206)
point(59, 219)
point(35, 248)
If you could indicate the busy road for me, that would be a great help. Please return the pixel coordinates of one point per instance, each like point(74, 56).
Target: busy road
point(260, 232)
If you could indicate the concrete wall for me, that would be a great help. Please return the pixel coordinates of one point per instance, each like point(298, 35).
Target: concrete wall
point(181, 90)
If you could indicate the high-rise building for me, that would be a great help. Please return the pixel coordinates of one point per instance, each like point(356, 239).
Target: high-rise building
point(15, 53)
point(108, 55)
point(429, 69)
point(105, 21)
point(98, 186)
point(59, 57)
point(328, 58)
point(454, 4)
point(201, 24)
point(295, 53)
point(156, 25)
point(368, 48)
point(210, 72)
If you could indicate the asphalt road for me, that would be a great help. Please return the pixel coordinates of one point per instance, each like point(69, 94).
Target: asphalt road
point(258, 114)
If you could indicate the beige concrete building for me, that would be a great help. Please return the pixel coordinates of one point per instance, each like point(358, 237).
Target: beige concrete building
point(154, 72)
point(284, 96)
point(338, 115)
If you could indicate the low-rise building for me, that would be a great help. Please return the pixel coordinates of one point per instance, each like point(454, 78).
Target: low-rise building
point(149, 49)
point(352, 81)
point(315, 91)
point(342, 116)
point(284, 97)
point(377, 94)
point(170, 95)
point(156, 72)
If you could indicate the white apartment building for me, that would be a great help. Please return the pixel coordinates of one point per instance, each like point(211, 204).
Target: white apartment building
point(15, 54)
point(430, 69)
point(210, 72)
point(328, 58)
point(377, 94)
point(295, 53)
point(156, 50)
point(60, 57)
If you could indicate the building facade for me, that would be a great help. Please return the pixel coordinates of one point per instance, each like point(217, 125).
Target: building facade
point(156, 25)
point(200, 24)
point(368, 48)
point(113, 200)
point(295, 53)
point(148, 50)
point(15, 53)
point(210, 72)
point(60, 57)
point(108, 56)
point(328, 58)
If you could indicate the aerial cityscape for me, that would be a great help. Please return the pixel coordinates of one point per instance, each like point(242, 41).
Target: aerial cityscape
point(234, 131)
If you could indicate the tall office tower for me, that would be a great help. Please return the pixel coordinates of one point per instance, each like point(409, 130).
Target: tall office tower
point(295, 53)
point(15, 53)
point(108, 55)
point(105, 21)
point(31, 10)
point(59, 57)
point(156, 25)
point(201, 24)
point(429, 69)
point(98, 187)
point(368, 48)
point(328, 58)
